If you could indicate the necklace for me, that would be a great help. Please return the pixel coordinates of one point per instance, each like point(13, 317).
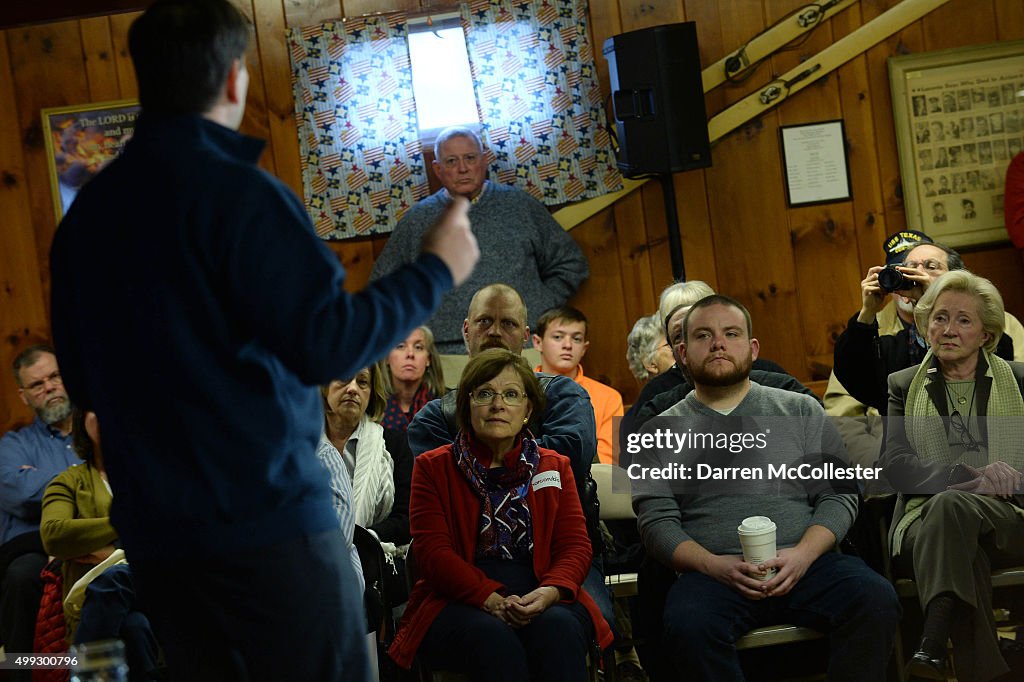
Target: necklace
point(953, 392)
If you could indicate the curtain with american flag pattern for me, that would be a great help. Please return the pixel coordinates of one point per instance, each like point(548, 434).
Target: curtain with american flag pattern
point(538, 96)
point(362, 162)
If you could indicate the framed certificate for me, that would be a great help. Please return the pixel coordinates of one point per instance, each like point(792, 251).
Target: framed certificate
point(814, 157)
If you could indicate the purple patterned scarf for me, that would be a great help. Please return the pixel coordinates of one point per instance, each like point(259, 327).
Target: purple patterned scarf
point(506, 529)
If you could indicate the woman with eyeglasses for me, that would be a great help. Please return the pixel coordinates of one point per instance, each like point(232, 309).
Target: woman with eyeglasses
point(499, 541)
point(955, 452)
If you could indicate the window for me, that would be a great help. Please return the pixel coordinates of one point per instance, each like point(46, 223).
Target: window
point(441, 80)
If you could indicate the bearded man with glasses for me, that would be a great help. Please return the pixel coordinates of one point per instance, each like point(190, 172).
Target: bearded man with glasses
point(29, 459)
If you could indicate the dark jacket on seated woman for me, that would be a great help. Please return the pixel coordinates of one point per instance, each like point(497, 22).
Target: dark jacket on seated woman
point(954, 452)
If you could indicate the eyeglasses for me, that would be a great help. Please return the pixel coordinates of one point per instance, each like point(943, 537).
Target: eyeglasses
point(967, 439)
point(485, 396)
point(930, 265)
point(40, 385)
point(451, 162)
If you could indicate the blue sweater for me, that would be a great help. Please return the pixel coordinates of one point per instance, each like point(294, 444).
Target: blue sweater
point(196, 311)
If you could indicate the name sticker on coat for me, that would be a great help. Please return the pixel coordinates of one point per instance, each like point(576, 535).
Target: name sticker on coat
point(547, 480)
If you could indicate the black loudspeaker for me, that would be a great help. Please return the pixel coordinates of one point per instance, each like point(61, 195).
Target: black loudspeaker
point(658, 99)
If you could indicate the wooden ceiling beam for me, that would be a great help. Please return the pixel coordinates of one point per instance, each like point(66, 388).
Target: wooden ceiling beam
point(19, 13)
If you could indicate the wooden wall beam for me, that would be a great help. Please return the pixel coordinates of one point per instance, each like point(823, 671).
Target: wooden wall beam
point(24, 13)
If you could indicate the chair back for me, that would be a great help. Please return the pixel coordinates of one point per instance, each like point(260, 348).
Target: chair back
point(614, 492)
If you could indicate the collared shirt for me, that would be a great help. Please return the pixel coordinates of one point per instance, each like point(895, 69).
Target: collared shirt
point(29, 459)
point(480, 194)
point(351, 446)
point(341, 498)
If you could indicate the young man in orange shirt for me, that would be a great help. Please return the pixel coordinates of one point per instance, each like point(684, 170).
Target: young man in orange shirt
point(561, 338)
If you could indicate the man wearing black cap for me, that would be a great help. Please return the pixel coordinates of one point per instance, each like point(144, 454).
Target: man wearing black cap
point(882, 338)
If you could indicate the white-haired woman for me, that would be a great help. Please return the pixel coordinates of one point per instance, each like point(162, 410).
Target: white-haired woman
point(954, 452)
point(647, 350)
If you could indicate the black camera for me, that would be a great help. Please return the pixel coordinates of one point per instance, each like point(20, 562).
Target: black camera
point(890, 279)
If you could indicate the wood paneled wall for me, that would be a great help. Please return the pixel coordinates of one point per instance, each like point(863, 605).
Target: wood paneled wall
point(797, 269)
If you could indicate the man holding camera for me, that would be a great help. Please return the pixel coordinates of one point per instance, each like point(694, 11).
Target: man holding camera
point(882, 338)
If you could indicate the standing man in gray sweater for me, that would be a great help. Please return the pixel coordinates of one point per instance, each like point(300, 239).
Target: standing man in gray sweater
point(521, 245)
point(689, 510)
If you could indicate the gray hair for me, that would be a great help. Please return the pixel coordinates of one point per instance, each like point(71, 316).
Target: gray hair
point(990, 303)
point(641, 345)
point(953, 259)
point(681, 293)
point(455, 131)
point(28, 357)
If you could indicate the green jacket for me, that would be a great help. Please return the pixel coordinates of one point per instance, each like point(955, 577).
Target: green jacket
point(76, 520)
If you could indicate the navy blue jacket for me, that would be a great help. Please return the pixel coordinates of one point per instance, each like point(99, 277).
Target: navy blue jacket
point(196, 311)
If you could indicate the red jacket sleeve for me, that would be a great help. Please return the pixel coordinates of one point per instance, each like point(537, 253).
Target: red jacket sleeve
point(570, 549)
point(1014, 201)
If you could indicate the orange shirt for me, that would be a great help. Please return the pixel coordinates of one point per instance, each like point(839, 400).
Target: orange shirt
point(607, 403)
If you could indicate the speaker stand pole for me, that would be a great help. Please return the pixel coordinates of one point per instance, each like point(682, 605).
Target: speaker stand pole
point(675, 245)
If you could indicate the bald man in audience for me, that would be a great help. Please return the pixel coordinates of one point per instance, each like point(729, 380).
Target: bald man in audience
point(497, 319)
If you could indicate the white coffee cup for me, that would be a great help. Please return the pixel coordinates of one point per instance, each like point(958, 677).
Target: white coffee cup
point(757, 538)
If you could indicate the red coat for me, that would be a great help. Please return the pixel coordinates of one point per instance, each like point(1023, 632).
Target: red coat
point(444, 517)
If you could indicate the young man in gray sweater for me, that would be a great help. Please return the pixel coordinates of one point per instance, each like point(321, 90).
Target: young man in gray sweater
point(753, 450)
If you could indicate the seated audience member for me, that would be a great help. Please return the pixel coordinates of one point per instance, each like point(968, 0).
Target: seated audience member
point(75, 528)
point(500, 542)
point(497, 319)
point(562, 338)
point(881, 337)
point(667, 399)
point(342, 498)
point(414, 378)
point(29, 459)
point(953, 451)
point(647, 350)
point(377, 460)
point(717, 596)
point(681, 294)
point(520, 243)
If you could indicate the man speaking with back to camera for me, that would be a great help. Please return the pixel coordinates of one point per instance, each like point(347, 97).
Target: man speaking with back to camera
point(184, 271)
